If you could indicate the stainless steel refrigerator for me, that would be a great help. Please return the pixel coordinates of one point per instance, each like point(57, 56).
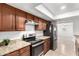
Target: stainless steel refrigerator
point(51, 30)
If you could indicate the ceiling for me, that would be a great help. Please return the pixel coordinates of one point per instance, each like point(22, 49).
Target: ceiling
point(60, 10)
point(56, 7)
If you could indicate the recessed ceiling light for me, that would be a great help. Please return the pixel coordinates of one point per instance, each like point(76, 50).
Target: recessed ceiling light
point(63, 7)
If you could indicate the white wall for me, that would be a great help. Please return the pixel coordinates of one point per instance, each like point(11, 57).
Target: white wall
point(66, 45)
point(75, 21)
point(65, 29)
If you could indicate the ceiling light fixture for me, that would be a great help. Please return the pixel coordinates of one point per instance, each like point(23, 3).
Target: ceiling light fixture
point(63, 7)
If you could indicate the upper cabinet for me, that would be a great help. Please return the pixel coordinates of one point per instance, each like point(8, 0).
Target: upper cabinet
point(40, 27)
point(44, 24)
point(41, 24)
point(20, 20)
point(29, 16)
point(7, 18)
point(13, 19)
point(0, 17)
point(36, 19)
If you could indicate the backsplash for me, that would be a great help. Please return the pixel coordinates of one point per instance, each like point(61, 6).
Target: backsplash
point(39, 33)
point(10, 35)
point(13, 35)
point(17, 34)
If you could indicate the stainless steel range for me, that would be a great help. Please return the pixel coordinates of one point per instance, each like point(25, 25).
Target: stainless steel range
point(37, 45)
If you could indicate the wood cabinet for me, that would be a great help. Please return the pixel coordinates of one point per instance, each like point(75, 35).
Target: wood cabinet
point(8, 18)
point(25, 51)
point(46, 45)
point(13, 19)
point(20, 20)
point(36, 19)
point(15, 53)
point(41, 24)
point(29, 17)
point(21, 52)
point(44, 24)
point(0, 17)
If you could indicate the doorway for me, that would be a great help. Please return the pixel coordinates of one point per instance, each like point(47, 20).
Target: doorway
point(66, 41)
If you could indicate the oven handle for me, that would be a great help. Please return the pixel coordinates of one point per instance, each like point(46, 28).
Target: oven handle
point(38, 44)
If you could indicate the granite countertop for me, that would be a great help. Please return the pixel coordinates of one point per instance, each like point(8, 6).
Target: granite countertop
point(13, 45)
point(43, 37)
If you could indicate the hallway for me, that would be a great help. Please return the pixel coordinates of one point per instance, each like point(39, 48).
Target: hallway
point(65, 48)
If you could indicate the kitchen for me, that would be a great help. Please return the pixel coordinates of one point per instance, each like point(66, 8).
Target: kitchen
point(29, 29)
point(17, 25)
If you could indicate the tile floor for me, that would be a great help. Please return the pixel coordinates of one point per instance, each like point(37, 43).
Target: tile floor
point(52, 53)
point(66, 47)
point(56, 53)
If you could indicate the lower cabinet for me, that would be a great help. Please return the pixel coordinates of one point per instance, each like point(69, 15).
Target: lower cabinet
point(21, 52)
point(46, 45)
point(15, 53)
point(25, 51)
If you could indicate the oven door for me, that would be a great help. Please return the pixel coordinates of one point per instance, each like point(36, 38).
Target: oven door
point(38, 49)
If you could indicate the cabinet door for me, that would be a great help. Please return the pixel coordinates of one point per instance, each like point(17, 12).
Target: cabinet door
point(36, 19)
point(20, 20)
point(0, 17)
point(44, 25)
point(25, 51)
point(15, 53)
point(8, 18)
point(29, 17)
point(46, 45)
point(40, 25)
